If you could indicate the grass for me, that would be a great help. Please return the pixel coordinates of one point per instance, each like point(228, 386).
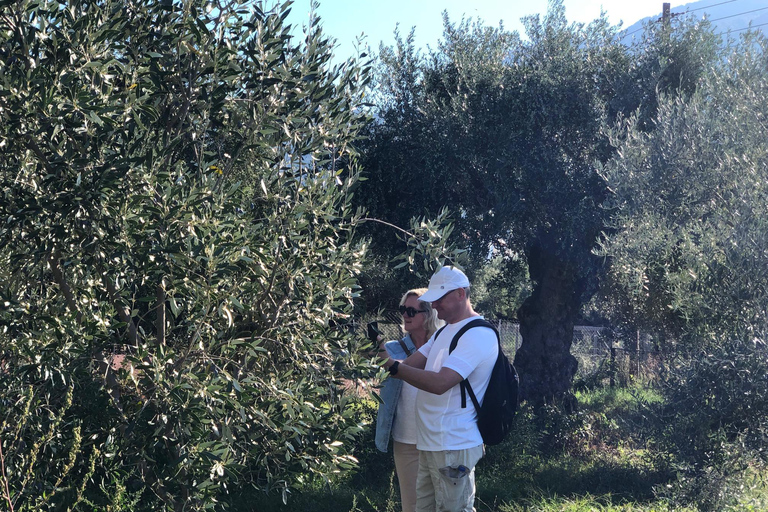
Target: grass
point(593, 461)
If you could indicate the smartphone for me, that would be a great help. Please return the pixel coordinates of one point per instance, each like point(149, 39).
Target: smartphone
point(373, 331)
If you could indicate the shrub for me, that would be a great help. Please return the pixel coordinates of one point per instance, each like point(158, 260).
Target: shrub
point(713, 420)
point(191, 320)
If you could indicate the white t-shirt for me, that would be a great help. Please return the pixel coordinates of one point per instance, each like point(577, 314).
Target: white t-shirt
point(404, 426)
point(441, 421)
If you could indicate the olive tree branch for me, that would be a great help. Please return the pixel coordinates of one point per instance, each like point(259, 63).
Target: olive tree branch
point(122, 311)
point(58, 276)
point(398, 228)
point(6, 489)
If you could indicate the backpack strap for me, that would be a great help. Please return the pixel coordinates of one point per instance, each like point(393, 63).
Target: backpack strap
point(404, 347)
point(477, 322)
point(467, 389)
point(464, 384)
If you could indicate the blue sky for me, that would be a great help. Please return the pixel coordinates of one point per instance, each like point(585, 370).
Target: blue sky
point(376, 19)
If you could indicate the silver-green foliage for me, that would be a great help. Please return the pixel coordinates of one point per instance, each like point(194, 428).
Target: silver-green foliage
point(690, 199)
point(123, 125)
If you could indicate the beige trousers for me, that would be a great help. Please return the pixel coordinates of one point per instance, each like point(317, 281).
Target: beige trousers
point(407, 468)
point(446, 480)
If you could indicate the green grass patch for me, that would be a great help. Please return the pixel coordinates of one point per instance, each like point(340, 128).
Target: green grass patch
point(595, 460)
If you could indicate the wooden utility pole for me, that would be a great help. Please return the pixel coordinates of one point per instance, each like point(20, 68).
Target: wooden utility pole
point(666, 13)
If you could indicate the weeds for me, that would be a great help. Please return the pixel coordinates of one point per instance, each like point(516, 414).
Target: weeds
point(602, 458)
point(553, 461)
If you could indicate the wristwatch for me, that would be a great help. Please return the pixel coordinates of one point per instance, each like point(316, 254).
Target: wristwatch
point(393, 368)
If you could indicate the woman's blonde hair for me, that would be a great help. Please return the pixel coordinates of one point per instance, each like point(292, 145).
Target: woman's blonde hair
point(431, 322)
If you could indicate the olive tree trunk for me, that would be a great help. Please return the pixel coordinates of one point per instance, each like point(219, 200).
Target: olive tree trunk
point(547, 317)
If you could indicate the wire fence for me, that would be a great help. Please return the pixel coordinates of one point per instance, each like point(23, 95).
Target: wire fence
point(604, 359)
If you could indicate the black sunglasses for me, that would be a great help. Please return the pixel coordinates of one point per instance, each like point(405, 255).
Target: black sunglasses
point(411, 312)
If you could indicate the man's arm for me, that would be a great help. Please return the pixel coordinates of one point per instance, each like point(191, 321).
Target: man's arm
point(433, 382)
point(412, 371)
point(415, 360)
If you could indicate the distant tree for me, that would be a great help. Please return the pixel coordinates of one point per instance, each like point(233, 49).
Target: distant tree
point(167, 335)
point(500, 287)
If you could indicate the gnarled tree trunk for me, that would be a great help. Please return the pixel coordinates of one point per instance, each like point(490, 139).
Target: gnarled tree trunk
point(547, 317)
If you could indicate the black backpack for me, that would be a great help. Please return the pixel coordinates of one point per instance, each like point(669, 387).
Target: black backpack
point(495, 415)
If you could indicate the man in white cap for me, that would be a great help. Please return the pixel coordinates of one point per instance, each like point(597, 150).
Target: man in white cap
point(448, 439)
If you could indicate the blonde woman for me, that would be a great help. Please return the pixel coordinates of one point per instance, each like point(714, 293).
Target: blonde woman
point(397, 412)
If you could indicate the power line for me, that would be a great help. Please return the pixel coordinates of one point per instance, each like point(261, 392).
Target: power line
point(634, 32)
point(709, 6)
point(745, 28)
point(741, 13)
point(680, 13)
point(716, 19)
point(733, 44)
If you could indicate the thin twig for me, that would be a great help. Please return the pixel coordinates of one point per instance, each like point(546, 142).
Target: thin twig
point(6, 490)
point(364, 219)
point(160, 320)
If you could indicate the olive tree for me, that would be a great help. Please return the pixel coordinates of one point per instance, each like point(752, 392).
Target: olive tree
point(689, 202)
point(505, 132)
point(508, 133)
point(177, 251)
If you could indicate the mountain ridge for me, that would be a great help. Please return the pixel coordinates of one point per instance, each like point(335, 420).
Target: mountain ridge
point(732, 15)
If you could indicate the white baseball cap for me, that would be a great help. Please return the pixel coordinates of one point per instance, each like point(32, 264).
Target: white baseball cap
point(445, 280)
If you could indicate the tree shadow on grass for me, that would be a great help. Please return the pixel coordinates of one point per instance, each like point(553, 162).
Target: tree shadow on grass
point(568, 477)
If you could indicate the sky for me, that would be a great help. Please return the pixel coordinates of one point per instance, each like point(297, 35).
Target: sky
point(376, 19)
